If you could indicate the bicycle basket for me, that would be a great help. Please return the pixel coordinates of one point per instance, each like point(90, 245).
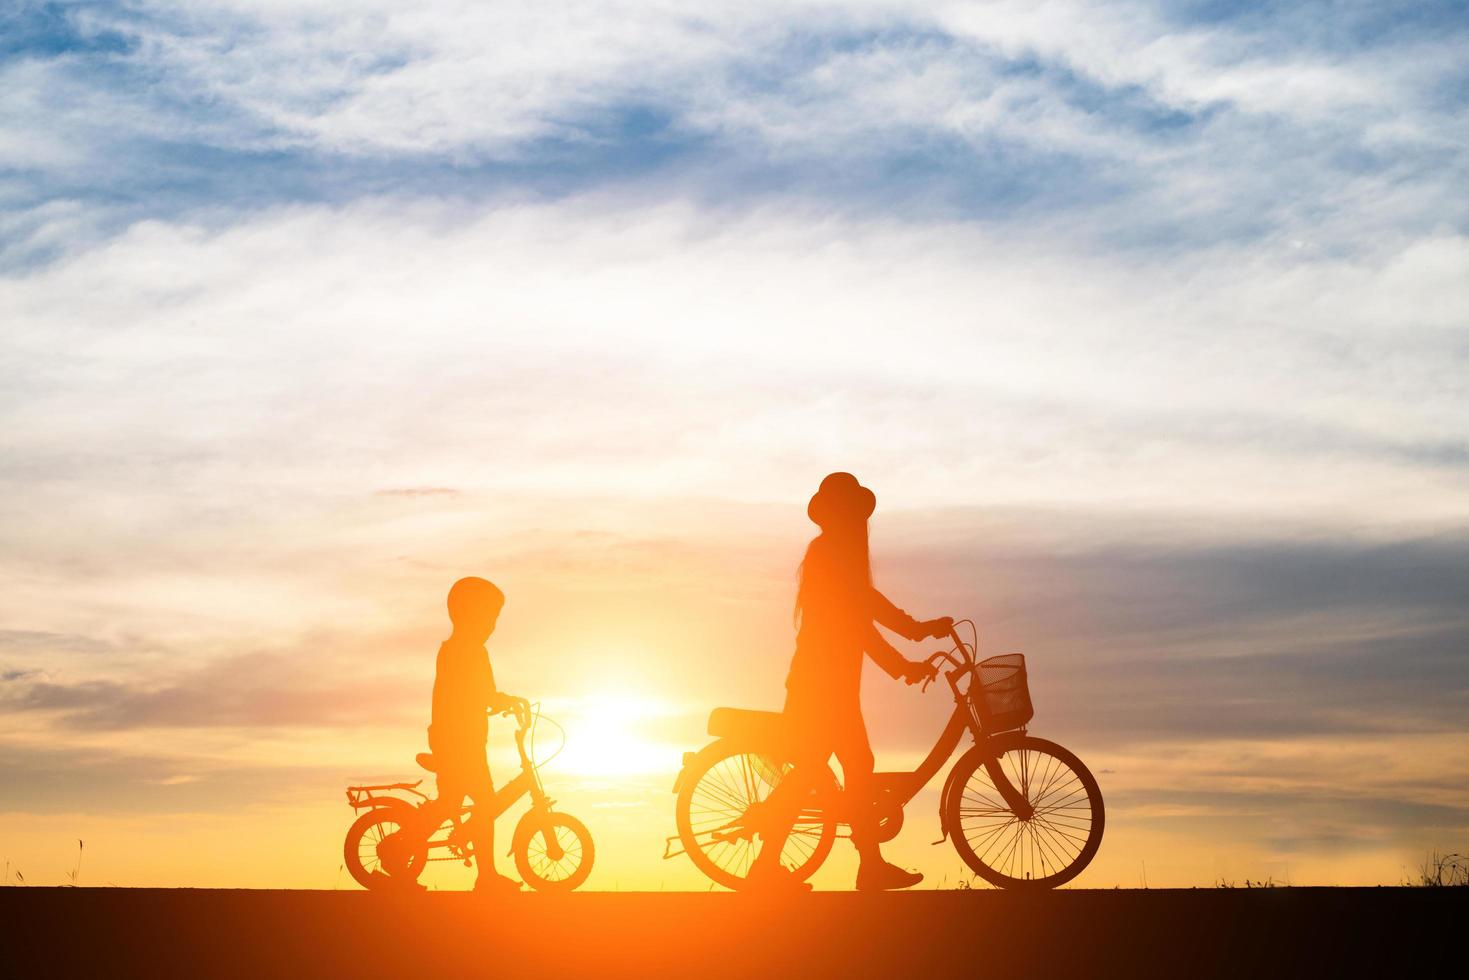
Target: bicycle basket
point(1004, 697)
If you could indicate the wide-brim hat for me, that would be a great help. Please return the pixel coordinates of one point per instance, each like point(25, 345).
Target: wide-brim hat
point(841, 496)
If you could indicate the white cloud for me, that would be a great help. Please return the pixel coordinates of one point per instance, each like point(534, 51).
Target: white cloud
point(439, 342)
point(456, 77)
point(1068, 102)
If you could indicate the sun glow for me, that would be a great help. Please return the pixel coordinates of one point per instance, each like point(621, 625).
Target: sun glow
point(608, 733)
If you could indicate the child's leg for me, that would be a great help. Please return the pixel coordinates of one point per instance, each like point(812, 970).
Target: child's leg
point(447, 802)
point(480, 829)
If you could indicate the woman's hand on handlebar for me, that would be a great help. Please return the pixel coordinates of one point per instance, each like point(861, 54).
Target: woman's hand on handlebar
point(919, 670)
point(937, 628)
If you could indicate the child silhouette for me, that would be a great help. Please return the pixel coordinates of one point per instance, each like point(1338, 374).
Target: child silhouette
point(464, 693)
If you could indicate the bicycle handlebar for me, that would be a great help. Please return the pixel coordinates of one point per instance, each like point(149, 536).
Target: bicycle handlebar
point(961, 646)
point(964, 659)
point(961, 655)
point(519, 709)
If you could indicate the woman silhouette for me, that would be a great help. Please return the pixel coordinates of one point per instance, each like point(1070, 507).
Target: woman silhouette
point(836, 606)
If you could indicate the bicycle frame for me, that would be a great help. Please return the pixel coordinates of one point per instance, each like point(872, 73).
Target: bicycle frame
point(526, 783)
point(723, 813)
point(908, 784)
point(901, 787)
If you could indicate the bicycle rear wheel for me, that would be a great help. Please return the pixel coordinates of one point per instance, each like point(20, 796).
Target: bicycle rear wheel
point(384, 847)
point(1050, 848)
point(719, 809)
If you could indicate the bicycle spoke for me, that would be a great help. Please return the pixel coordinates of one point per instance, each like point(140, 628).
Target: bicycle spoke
point(1063, 854)
point(1073, 794)
point(1040, 782)
point(1069, 822)
point(1060, 827)
point(542, 865)
point(996, 799)
point(1047, 854)
point(997, 847)
point(995, 842)
point(1066, 835)
point(727, 786)
point(1040, 798)
point(724, 828)
point(718, 785)
point(989, 836)
point(731, 780)
point(1058, 845)
point(720, 802)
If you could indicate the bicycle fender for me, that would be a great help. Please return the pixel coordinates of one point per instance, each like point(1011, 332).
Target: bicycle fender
point(689, 758)
point(986, 755)
point(534, 819)
point(944, 794)
point(678, 780)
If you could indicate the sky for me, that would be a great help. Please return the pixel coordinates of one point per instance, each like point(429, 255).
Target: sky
point(1147, 322)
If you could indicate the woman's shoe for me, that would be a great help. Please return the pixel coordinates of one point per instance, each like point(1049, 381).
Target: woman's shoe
point(882, 876)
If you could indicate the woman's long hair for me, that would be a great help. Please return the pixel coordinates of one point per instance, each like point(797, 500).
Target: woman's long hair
point(836, 574)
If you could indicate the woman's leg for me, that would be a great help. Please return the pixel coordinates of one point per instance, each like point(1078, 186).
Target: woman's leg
point(854, 752)
point(781, 809)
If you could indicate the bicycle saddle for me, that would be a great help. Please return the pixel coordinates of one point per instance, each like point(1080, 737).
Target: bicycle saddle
point(744, 723)
point(426, 759)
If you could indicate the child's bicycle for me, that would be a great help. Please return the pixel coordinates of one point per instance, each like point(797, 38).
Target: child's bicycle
point(1021, 811)
point(390, 843)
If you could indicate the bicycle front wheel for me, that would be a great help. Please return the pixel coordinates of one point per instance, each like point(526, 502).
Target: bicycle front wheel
point(553, 851)
point(720, 808)
point(1055, 844)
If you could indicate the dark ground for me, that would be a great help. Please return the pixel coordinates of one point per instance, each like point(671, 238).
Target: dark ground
point(1301, 932)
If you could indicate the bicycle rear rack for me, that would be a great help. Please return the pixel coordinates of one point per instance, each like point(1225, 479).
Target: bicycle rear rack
point(363, 797)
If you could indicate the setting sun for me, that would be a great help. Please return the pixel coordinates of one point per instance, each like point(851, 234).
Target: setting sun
point(607, 734)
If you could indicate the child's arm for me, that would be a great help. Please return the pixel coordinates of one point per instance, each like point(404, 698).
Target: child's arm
point(495, 700)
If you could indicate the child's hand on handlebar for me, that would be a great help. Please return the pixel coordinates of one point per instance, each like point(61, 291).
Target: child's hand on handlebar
point(504, 704)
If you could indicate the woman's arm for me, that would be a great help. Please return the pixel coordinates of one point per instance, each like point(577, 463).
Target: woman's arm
point(886, 613)
point(898, 667)
point(895, 619)
point(883, 654)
